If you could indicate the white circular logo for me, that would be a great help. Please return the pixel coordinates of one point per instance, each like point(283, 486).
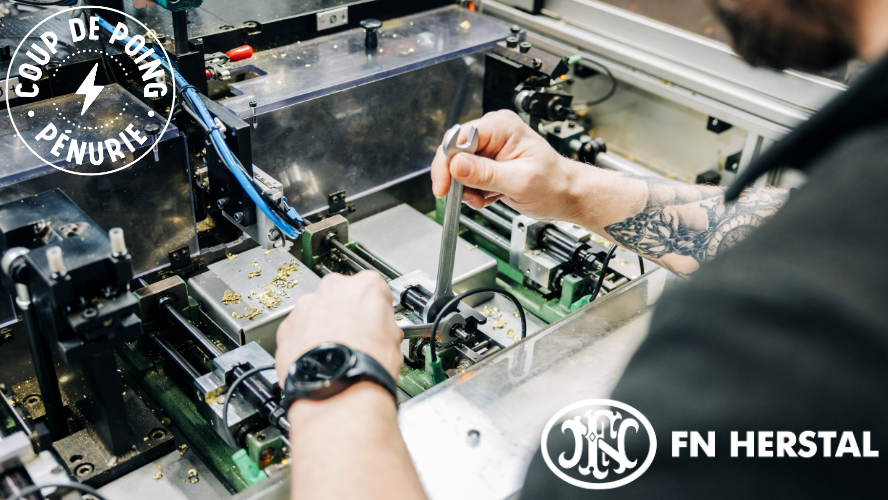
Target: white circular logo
point(596, 456)
point(101, 125)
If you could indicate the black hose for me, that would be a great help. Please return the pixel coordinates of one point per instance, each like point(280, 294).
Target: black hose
point(607, 259)
point(613, 89)
point(249, 373)
point(455, 300)
point(30, 490)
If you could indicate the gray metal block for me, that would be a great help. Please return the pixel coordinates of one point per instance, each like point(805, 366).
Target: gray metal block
point(410, 241)
point(233, 274)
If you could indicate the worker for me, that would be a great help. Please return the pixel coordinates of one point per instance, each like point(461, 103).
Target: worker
point(782, 326)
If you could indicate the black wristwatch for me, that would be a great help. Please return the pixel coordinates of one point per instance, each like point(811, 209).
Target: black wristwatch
point(329, 369)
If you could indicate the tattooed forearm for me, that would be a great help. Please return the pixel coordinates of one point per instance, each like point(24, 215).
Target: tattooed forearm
point(675, 223)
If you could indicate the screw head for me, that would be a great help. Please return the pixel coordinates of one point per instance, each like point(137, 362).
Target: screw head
point(239, 217)
point(537, 63)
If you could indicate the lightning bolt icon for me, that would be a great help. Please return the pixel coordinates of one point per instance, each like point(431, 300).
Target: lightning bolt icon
point(89, 89)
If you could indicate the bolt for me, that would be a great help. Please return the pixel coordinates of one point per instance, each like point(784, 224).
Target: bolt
point(512, 42)
point(371, 27)
point(473, 438)
point(253, 105)
point(6, 335)
point(525, 47)
point(221, 202)
point(153, 130)
point(239, 217)
point(84, 470)
point(90, 312)
point(557, 130)
point(274, 234)
point(537, 63)
point(266, 455)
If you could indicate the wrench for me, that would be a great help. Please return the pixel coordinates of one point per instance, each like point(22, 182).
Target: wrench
point(447, 257)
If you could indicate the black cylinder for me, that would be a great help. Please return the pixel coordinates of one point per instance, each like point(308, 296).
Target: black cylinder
point(482, 232)
point(415, 300)
point(180, 31)
point(14, 481)
point(198, 337)
point(47, 379)
point(499, 222)
point(503, 211)
point(174, 357)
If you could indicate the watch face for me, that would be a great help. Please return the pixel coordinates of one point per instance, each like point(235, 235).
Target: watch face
point(323, 364)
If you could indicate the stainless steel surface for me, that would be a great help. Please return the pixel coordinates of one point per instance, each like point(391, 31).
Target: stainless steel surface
point(167, 479)
point(326, 110)
point(509, 397)
point(409, 241)
point(234, 274)
point(510, 332)
point(447, 254)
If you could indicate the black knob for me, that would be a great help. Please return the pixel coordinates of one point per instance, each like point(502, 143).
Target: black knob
point(371, 26)
point(515, 29)
point(5, 53)
point(525, 47)
point(512, 42)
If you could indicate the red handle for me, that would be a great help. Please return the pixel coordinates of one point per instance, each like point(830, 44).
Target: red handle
point(240, 53)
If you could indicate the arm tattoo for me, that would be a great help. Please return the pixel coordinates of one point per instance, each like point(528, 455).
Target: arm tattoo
point(659, 230)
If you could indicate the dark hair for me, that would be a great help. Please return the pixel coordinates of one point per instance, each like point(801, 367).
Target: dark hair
point(808, 35)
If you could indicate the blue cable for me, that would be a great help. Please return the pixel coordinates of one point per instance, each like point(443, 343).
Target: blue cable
point(227, 156)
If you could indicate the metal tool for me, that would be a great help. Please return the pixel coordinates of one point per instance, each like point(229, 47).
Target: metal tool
point(444, 283)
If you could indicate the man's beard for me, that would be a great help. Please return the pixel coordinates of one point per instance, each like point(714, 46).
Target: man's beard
point(807, 35)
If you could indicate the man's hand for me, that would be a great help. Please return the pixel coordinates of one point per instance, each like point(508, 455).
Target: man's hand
point(356, 430)
point(677, 225)
point(354, 311)
point(515, 164)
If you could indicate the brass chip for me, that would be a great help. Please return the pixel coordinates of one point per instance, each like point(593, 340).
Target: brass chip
point(231, 298)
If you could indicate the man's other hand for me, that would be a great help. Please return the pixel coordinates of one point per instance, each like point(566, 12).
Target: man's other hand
point(355, 311)
point(517, 165)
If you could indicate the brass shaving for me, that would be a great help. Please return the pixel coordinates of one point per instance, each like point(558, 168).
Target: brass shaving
point(231, 297)
point(251, 313)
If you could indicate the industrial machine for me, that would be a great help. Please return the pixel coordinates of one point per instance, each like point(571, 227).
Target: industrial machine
point(174, 177)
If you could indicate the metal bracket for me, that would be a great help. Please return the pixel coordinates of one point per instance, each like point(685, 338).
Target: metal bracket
point(338, 204)
point(180, 258)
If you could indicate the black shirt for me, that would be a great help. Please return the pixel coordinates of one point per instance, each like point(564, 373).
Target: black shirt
point(788, 331)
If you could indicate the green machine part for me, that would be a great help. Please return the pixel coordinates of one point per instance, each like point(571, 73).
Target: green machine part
point(247, 468)
point(415, 382)
point(573, 289)
point(179, 5)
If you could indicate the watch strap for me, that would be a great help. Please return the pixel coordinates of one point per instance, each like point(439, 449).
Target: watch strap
point(367, 368)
